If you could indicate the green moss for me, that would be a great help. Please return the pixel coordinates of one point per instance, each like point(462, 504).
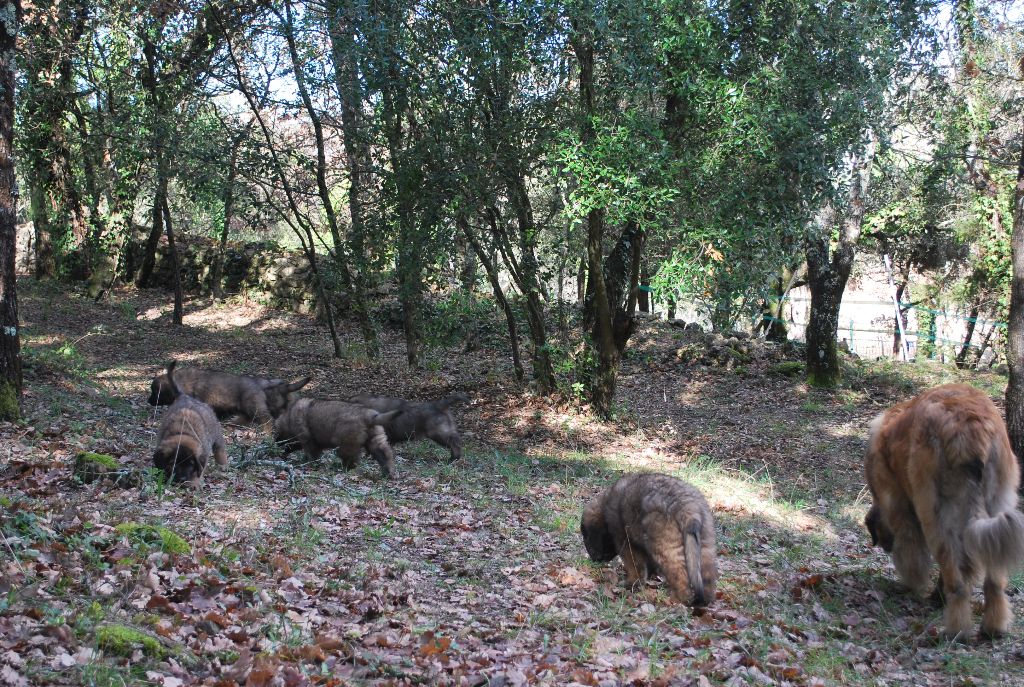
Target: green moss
point(6, 502)
point(149, 535)
point(90, 467)
point(10, 411)
point(124, 641)
point(788, 368)
point(102, 459)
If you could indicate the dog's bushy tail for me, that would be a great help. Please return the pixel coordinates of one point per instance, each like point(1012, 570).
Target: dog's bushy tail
point(997, 540)
point(691, 554)
point(170, 378)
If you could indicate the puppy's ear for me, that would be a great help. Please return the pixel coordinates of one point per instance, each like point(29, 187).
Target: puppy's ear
point(292, 387)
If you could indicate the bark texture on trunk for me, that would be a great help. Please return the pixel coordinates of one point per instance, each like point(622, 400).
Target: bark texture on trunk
point(1015, 328)
point(342, 22)
point(499, 295)
point(10, 341)
point(827, 273)
point(962, 357)
point(228, 198)
point(179, 296)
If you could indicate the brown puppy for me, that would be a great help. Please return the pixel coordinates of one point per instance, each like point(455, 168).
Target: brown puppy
point(249, 399)
point(189, 435)
point(944, 481)
point(316, 426)
point(655, 522)
point(431, 419)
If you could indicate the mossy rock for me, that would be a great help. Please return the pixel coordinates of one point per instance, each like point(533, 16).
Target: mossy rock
point(154, 536)
point(740, 356)
point(788, 368)
point(90, 467)
point(125, 641)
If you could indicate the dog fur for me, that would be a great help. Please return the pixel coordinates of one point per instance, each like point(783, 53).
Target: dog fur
point(189, 435)
point(944, 481)
point(316, 426)
point(241, 397)
point(655, 523)
point(430, 419)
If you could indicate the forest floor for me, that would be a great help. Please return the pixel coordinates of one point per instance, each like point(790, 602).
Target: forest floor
point(470, 573)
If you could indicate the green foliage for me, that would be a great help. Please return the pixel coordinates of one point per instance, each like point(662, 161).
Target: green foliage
point(154, 537)
point(625, 171)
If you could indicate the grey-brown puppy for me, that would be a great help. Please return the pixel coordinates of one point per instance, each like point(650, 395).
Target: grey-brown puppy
point(248, 399)
point(431, 419)
point(189, 435)
point(316, 426)
point(655, 523)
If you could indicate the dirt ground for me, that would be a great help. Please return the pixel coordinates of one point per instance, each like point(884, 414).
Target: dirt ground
point(473, 573)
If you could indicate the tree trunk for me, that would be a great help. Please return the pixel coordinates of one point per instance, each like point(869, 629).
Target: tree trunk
point(45, 260)
point(822, 358)
point(897, 339)
point(644, 297)
point(10, 341)
point(1015, 328)
point(298, 221)
point(499, 295)
point(156, 231)
point(179, 297)
point(467, 266)
point(827, 276)
point(217, 273)
point(972, 321)
point(341, 26)
point(581, 281)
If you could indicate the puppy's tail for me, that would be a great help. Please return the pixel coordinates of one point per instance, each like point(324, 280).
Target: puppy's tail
point(170, 378)
point(446, 403)
point(385, 418)
point(691, 554)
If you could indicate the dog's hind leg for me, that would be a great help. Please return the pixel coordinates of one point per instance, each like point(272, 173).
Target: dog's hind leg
point(957, 591)
point(220, 452)
point(667, 549)
point(995, 620)
point(378, 447)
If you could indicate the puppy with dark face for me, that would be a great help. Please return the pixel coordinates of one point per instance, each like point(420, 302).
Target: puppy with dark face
point(430, 419)
point(944, 479)
point(316, 426)
point(240, 397)
point(189, 436)
point(655, 523)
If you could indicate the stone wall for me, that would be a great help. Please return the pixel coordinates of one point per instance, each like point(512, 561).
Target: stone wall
point(261, 270)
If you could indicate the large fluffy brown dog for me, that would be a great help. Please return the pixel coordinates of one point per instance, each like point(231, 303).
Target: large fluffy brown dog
point(248, 399)
point(316, 426)
point(658, 523)
point(431, 419)
point(944, 481)
point(189, 435)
